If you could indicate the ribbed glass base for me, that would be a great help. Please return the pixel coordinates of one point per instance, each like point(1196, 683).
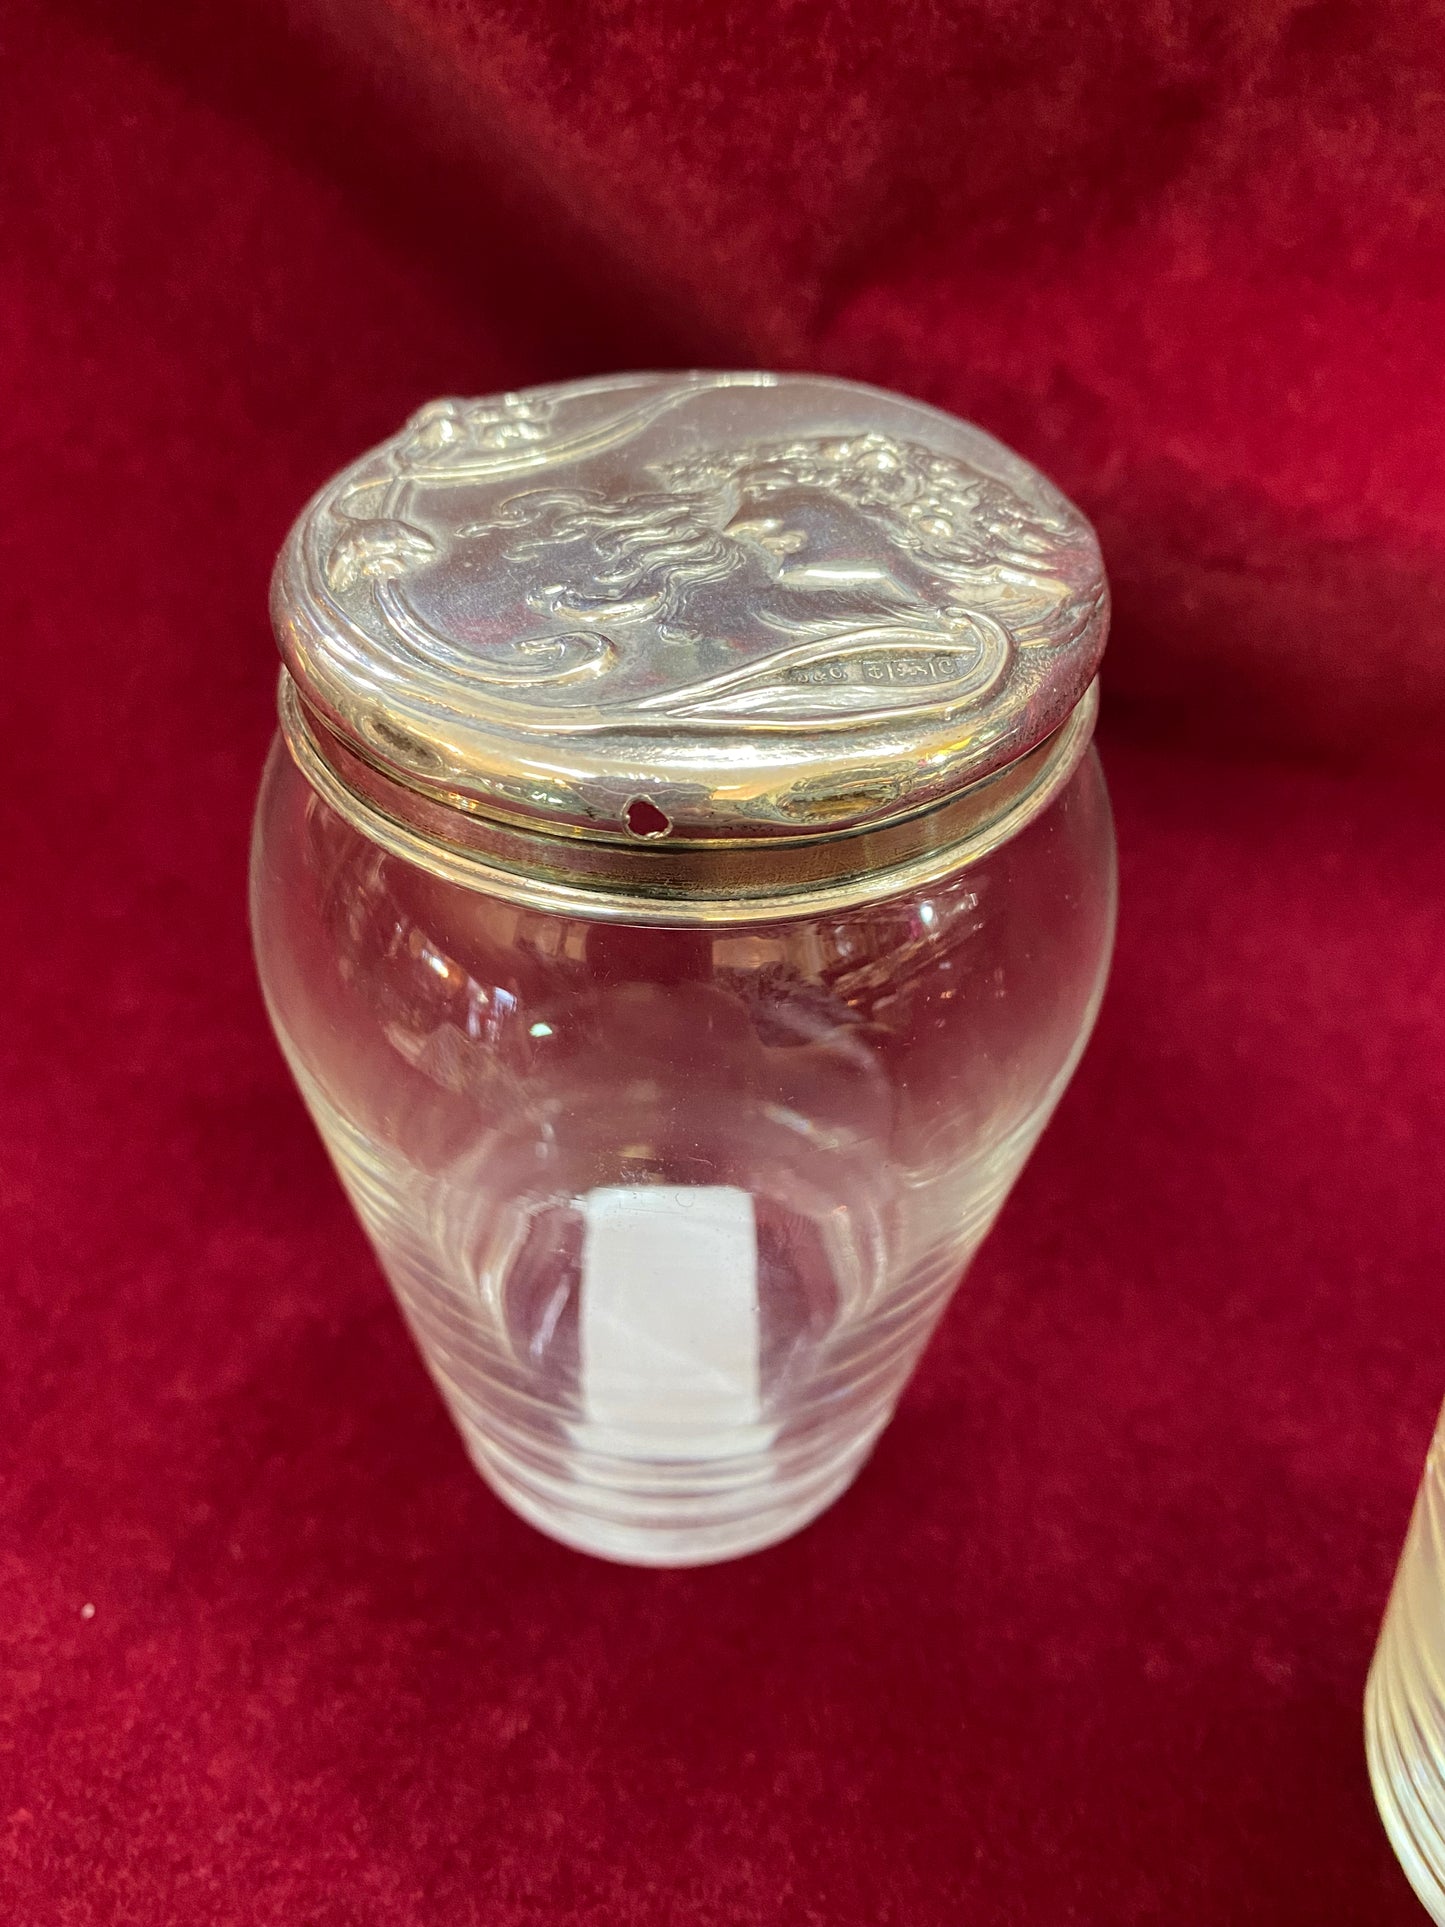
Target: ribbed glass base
point(1403, 1744)
point(1405, 1698)
point(680, 1514)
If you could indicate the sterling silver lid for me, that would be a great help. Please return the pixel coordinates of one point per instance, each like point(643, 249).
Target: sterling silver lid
point(686, 611)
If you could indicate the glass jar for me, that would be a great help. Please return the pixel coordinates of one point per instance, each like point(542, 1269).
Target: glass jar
point(1405, 1699)
point(682, 889)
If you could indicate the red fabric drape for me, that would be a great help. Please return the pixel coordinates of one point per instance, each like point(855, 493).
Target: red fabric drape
point(1087, 1640)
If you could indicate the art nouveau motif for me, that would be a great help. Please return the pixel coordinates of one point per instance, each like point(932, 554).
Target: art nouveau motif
point(594, 559)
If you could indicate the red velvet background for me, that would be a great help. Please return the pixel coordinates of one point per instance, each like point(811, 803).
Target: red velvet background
point(1086, 1642)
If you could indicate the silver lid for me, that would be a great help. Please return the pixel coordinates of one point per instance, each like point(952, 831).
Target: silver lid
point(688, 610)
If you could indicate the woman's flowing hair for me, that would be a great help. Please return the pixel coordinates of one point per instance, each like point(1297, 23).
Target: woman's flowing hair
point(639, 557)
point(643, 555)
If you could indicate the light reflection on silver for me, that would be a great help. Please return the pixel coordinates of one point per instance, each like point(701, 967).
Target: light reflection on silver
point(774, 606)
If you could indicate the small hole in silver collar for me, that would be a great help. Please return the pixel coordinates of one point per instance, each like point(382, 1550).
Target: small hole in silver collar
point(643, 818)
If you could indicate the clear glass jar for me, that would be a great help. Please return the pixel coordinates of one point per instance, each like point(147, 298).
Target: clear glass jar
point(871, 1082)
point(1405, 1698)
point(682, 889)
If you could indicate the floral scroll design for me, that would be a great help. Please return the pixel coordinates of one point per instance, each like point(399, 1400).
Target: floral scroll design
point(377, 550)
point(499, 428)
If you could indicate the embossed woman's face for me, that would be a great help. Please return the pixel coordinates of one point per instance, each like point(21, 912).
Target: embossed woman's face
point(727, 569)
point(773, 568)
point(819, 544)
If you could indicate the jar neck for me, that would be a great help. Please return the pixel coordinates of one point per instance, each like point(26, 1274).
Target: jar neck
point(668, 882)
